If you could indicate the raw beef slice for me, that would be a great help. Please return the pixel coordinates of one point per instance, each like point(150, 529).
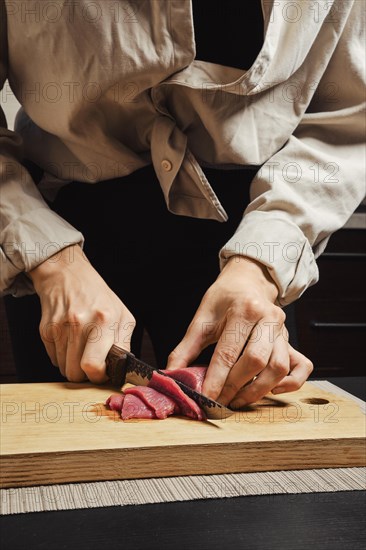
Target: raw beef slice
point(162, 397)
point(134, 407)
point(115, 401)
point(168, 386)
point(161, 404)
point(191, 376)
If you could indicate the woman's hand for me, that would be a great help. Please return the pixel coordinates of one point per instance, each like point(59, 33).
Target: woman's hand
point(238, 310)
point(81, 316)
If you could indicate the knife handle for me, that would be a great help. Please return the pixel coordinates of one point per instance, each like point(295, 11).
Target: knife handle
point(116, 365)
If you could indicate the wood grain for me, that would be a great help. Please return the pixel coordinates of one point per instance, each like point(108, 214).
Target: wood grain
point(62, 432)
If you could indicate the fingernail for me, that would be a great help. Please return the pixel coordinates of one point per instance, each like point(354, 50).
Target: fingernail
point(277, 390)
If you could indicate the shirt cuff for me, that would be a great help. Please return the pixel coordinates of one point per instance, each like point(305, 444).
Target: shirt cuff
point(27, 242)
point(279, 244)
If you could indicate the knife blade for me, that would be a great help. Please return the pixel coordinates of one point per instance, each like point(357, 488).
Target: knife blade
point(123, 366)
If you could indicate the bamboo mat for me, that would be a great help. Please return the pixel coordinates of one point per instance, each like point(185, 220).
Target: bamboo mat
point(148, 491)
point(157, 490)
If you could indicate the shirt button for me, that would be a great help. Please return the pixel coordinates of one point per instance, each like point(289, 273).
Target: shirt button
point(166, 165)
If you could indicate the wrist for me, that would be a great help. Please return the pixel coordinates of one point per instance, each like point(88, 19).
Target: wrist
point(56, 264)
point(249, 267)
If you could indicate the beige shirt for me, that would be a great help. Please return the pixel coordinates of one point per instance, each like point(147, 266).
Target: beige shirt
point(107, 87)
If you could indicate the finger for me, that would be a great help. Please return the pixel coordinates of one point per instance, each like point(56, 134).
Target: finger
point(278, 367)
point(61, 349)
point(47, 337)
point(51, 352)
point(225, 356)
point(254, 360)
point(194, 341)
point(60, 343)
point(74, 353)
point(300, 369)
point(99, 341)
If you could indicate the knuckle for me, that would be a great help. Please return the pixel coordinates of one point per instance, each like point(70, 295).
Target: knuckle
point(257, 358)
point(74, 317)
point(102, 317)
point(227, 356)
point(42, 332)
point(309, 366)
point(280, 315)
point(254, 308)
point(278, 368)
point(49, 331)
point(276, 314)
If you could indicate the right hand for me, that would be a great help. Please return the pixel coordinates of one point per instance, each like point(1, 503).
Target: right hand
point(252, 356)
point(81, 316)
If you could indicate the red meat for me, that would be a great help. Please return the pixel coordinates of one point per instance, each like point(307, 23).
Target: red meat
point(191, 376)
point(134, 407)
point(161, 404)
point(162, 397)
point(115, 401)
point(168, 386)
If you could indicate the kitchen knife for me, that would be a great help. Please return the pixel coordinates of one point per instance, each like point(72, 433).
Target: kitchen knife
point(122, 366)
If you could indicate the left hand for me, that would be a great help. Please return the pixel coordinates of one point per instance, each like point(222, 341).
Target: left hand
point(239, 310)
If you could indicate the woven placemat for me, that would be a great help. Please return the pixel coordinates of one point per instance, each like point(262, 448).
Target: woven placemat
point(157, 490)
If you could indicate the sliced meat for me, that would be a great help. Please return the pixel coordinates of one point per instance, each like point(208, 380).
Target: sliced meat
point(162, 397)
point(115, 401)
point(134, 407)
point(191, 376)
point(161, 404)
point(168, 386)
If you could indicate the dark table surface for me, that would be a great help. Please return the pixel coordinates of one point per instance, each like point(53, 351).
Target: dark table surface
point(315, 521)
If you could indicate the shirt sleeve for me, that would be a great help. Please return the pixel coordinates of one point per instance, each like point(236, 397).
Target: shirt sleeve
point(311, 186)
point(30, 232)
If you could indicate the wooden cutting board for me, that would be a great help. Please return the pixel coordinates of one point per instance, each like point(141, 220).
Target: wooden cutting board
point(62, 432)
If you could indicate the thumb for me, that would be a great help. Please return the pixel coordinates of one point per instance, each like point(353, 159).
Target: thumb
point(188, 349)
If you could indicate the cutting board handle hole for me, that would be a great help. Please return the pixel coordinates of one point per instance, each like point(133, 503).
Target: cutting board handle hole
point(314, 401)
